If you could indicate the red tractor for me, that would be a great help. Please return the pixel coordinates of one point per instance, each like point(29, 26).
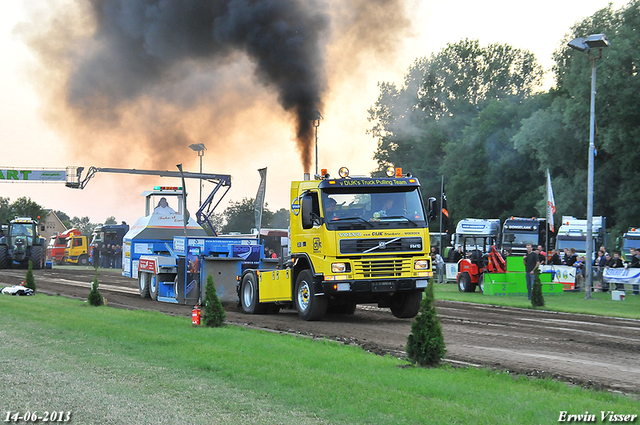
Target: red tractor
point(477, 262)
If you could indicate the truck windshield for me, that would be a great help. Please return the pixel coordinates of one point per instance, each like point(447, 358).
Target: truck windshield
point(631, 242)
point(521, 239)
point(368, 209)
point(580, 245)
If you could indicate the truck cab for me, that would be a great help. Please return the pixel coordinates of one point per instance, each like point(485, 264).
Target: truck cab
point(518, 232)
point(353, 240)
point(77, 250)
point(487, 228)
point(58, 244)
point(573, 234)
point(631, 239)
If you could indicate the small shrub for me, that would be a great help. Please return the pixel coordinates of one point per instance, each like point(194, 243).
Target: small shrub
point(29, 280)
point(537, 300)
point(95, 297)
point(425, 344)
point(213, 315)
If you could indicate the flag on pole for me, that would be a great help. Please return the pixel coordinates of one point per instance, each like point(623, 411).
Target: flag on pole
point(445, 212)
point(259, 206)
point(551, 203)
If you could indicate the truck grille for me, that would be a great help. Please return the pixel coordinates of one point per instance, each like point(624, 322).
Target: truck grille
point(360, 246)
point(382, 267)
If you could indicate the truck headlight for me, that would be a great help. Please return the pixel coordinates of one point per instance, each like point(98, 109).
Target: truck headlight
point(421, 265)
point(338, 268)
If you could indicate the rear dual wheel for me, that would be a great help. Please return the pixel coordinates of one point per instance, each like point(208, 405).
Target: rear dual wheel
point(143, 284)
point(153, 286)
point(249, 296)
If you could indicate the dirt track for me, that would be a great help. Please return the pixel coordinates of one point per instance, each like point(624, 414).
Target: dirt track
point(599, 352)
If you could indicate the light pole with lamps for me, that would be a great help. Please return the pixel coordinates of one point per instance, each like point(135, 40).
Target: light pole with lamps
point(200, 148)
point(594, 41)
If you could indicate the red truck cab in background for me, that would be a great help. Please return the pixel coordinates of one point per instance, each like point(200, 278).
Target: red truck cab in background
point(57, 245)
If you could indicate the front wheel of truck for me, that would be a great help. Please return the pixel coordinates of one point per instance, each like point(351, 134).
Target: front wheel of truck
point(406, 305)
point(309, 306)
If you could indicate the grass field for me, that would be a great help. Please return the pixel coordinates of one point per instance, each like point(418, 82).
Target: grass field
point(571, 302)
point(111, 366)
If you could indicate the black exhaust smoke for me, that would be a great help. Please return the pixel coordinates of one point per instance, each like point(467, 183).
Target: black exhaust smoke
point(131, 81)
point(138, 44)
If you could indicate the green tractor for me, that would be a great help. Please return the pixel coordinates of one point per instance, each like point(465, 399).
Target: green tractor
point(21, 243)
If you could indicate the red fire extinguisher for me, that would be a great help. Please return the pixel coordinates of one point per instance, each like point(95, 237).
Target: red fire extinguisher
point(195, 316)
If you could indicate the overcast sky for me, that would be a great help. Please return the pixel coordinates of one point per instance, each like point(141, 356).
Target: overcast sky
point(28, 140)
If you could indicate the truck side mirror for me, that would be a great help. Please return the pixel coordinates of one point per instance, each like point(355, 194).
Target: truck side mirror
point(509, 237)
point(310, 210)
point(306, 208)
point(432, 213)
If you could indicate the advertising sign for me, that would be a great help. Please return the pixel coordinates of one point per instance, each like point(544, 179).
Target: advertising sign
point(23, 174)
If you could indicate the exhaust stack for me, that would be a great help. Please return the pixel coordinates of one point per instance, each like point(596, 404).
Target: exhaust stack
point(307, 176)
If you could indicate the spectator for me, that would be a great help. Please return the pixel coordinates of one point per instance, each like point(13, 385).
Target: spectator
point(635, 259)
point(565, 256)
point(571, 259)
point(600, 262)
point(436, 259)
point(617, 261)
point(531, 262)
point(544, 255)
point(541, 255)
point(458, 254)
point(95, 255)
point(103, 255)
point(117, 257)
point(555, 258)
point(609, 262)
point(634, 264)
point(580, 272)
point(109, 257)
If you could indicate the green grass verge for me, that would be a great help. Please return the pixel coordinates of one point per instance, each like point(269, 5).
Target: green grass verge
point(107, 365)
point(571, 302)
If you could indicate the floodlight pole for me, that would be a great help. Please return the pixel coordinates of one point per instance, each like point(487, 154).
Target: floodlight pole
point(586, 45)
point(199, 148)
point(316, 124)
point(200, 154)
point(592, 150)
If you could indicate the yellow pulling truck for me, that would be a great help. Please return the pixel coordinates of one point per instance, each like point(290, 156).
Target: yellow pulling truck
point(353, 240)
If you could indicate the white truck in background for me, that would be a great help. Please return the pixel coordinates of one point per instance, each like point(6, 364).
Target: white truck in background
point(572, 233)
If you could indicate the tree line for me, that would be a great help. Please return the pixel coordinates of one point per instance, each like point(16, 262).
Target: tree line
point(237, 217)
point(477, 116)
